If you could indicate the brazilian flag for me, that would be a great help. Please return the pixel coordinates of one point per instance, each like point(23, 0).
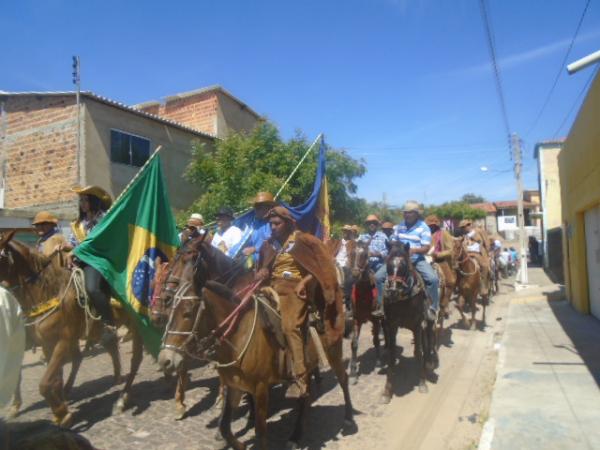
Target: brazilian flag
point(123, 247)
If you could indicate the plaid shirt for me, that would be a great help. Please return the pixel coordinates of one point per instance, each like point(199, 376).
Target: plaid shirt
point(417, 236)
point(377, 244)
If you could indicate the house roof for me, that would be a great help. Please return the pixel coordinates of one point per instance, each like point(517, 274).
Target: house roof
point(549, 143)
point(487, 207)
point(116, 104)
point(512, 204)
point(213, 88)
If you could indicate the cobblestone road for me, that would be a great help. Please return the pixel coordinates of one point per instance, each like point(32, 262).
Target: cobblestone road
point(149, 422)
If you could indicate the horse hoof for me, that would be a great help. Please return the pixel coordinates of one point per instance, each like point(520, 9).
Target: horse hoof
point(423, 389)
point(121, 404)
point(379, 364)
point(349, 427)
point(66, 421)
point(353, 379)
point(180, 411)
point(291, 445)
point(13, 411)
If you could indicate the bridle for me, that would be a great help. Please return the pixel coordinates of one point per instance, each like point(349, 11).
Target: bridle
point(465, 257)
point(7, 257)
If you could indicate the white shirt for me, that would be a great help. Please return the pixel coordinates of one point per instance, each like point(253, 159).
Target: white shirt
point(473, 246)
point(12, 344)
point(227, 240)
point(342, 256)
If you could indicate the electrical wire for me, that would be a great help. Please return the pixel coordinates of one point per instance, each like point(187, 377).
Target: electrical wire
point(560, 69)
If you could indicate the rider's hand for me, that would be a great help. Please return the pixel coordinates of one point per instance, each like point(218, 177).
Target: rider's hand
point(248, 251)
point(300, 290)
point(69, 260)
point(261, 275)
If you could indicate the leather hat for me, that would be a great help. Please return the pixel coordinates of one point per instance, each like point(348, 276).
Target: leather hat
point(225, 212)
point(411, 205)
point(265, 198)
point(465, 222)
point(44, 217)
point(195, 220)
point(433, 220)
point(387, 226)
point(372, 218)
point(95, 191)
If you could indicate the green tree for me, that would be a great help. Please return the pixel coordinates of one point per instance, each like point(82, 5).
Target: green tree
point(456, 210)
point(243, 164)
point(472, 198)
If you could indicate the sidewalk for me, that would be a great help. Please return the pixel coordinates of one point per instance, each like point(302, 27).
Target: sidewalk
point(546, 393)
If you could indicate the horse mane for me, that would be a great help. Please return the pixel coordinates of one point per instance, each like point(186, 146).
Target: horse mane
point(228, 269)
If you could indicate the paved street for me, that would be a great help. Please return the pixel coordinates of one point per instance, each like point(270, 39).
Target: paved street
point(450, 415)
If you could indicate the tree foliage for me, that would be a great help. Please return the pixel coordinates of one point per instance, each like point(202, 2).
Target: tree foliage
point(243, 164)
point(456, 210)
point(471, 198)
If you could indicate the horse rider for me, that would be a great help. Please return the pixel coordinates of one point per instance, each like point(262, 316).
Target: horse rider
point(93, 204)
point(387, 228)
point(344, 258)
point(442, 245)
point(193, 226)
point(261, 229)
point(293, 262)
point(478, 247)
point(50, 238)
point(415, 232)
point(378, 250)
point(228, 236)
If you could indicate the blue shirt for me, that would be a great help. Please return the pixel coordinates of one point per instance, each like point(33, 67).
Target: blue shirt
point(417, 236)
point(261, 231)
point(377, 243)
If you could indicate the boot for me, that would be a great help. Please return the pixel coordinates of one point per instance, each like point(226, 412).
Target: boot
point(378, 312)
point(297, 389)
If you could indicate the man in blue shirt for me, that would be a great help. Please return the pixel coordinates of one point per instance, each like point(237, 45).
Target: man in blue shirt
point(261, 229)
point(415, 232)
point(377, 252)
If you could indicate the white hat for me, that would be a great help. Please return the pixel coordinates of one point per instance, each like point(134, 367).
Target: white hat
point(197, 216)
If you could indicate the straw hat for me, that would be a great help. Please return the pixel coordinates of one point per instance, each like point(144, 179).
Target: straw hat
point(387, 226)
point(347, 228)
point(411, 205)
point(44, 217)
point(465, 223)
point(97, 192)
point(372, 218)
point(264, 198)
point(355, 228)
point(433, 220)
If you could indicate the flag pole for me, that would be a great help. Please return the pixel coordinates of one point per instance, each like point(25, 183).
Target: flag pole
point(137, 175)
point(285, 183)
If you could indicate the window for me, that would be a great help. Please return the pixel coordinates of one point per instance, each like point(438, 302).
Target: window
point(128, 149)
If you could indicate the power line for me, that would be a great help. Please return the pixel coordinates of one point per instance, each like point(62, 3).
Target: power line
point(577, 101)
point(426, 146)
point(492, 48)
point(560, 69)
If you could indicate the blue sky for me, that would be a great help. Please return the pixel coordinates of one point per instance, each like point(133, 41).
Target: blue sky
point(405, 84)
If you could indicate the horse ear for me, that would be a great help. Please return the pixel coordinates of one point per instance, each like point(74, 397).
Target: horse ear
point(7, 237)
point(407, 247)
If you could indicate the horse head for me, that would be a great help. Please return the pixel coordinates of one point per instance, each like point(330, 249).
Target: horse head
point(15, 260)
point(361, 260)
point(398, 265)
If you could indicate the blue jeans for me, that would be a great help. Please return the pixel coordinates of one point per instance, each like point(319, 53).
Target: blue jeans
point(431, 280)
point(380, 276)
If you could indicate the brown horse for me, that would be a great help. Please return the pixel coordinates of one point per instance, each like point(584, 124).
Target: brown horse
point(36, 281)
point(248, 359)
point(362, 307)
point(468, 281)
point(167, 285)
point(405, 303)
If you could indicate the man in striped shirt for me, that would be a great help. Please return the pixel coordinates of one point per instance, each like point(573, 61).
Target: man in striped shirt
point(415, 232)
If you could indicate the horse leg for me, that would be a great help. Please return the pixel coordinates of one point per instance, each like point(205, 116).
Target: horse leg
point(390, 333)
point(76, 358)
point(376, 343)
point(473, 303)
point(232, 398)
point(261, 412)
point(137, 354)
point(183, 377)
point(460, 305)
point(112, 347)
point(294, 440)
point(336, 362)
point(51, 386)
point(420, 338)
point(17, 399)
point(354, 357)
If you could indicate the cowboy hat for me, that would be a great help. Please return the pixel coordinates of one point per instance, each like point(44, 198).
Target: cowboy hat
point(95, 191)
point(264, 198)
point(433, 220)
point(195, 220)
point(225, 212)
point(355, 228)
point(372, 218)
point(281, 212)
point(411, 205)
point(44, 217)
point(465, 223)
point(347, 228)
point(387, 226)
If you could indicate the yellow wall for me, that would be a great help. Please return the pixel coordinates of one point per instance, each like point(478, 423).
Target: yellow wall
point(550, 181)
point(579, 164)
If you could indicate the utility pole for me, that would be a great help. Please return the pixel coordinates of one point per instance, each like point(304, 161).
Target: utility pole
point(77, 82)
point(517, 155)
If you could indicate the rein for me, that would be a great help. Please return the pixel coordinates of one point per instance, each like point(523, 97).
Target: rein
point(464, 260)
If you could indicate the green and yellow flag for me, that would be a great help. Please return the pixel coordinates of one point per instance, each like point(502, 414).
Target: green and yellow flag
point(124, 245)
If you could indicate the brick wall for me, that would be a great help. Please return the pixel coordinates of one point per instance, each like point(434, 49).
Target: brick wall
point(38, 137)
point(197, 111)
